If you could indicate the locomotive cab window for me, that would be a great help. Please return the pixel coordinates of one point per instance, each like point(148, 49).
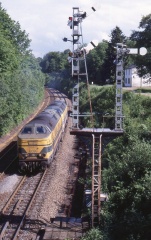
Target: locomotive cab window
point(40, 130)
point(27, 130)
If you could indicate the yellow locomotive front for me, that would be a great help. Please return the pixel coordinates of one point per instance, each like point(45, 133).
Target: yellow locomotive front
point(34, 146)
point(39, 139)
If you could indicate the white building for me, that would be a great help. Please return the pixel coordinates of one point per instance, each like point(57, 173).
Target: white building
point(131, 78)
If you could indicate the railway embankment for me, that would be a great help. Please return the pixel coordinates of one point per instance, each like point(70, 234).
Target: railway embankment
point(59, 200)
point(11, 136)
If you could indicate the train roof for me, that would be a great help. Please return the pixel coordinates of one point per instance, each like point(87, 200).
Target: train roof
point(53, 112)
point(48, 118)
point(55, 108)
point(59, 103)
point(44, 122)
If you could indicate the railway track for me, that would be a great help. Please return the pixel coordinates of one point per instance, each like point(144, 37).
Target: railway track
point(13, 214)
point(9, 153)
point(19, 218)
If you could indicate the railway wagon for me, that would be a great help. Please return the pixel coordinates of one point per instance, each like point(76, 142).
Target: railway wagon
point(39, 139)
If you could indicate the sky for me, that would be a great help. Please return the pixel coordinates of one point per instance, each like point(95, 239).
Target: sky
point(45, 21)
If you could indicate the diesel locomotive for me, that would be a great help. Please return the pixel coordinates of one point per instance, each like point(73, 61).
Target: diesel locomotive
point(39, 140)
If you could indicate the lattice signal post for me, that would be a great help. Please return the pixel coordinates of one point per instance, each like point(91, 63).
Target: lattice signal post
point(97, 136)
point(75, 58)
point(121, 50)
point(77, 55)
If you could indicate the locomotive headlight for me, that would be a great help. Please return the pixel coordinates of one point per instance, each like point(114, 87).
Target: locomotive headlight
point(41, 155)
point(25, 155)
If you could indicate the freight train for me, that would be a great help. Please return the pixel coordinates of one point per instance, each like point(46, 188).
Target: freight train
point(39, 140)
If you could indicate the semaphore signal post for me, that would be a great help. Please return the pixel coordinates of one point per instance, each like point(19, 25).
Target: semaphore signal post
point(76, 56)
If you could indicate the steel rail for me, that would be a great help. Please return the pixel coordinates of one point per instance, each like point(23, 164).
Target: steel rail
point(15, 236)
point(6, 225)
point(14, 193)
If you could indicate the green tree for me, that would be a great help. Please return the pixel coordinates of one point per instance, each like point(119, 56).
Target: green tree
point(8, 58)
point(95, 60)
point(93, 234)
point(108, 68)
point(128, 179)
point(142, 38)
point(12, 32)
point(21, 79)
point(54, 62)
point(20, 93)
point(126, 173)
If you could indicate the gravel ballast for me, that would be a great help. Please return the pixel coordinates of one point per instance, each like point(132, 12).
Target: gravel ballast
point(56, 193)
point(7, 185)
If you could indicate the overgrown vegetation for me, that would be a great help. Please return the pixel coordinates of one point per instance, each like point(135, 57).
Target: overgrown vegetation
point(126, 166)
point(21, 79)
point(126, 161)
point(127, 178)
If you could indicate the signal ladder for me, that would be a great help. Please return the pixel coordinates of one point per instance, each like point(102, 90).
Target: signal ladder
point(78, 57)
point(120, 49)
point(96, 179)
